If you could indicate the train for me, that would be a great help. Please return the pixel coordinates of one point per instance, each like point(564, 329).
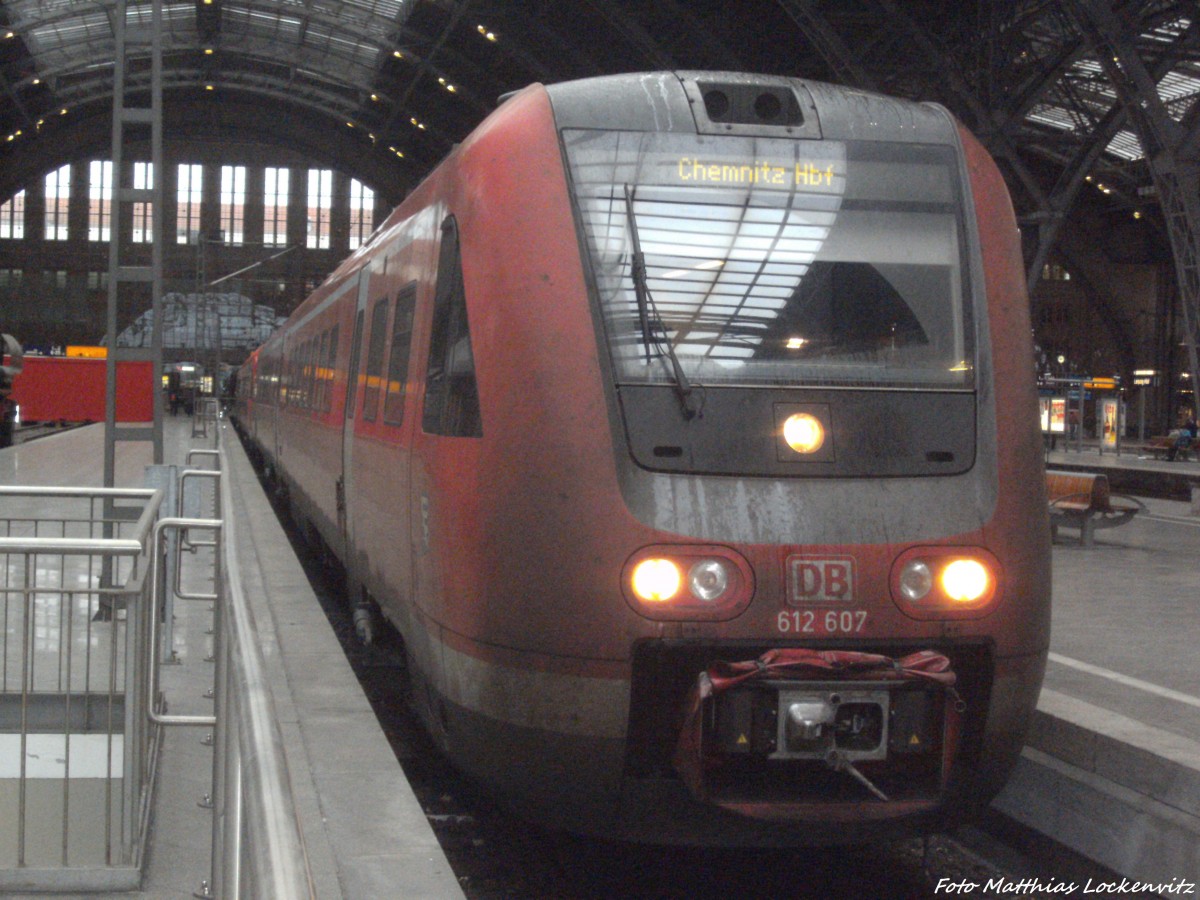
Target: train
point(683, 425)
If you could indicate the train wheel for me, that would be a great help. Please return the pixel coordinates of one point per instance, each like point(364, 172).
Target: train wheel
point(364, 622)
point(362, 609)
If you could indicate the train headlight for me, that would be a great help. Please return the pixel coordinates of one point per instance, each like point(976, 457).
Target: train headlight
point(804, 433)
point(916, 581)
point(656, 580)
point(708, 579)
point(946, 582)
point(965, 580)
point(688, 582)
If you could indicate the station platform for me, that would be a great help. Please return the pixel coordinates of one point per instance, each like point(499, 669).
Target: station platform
point(365, 834)
point(1112, 768)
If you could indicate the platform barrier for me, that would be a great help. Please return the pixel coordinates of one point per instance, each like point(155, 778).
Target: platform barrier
point(257, 846)
point(77, 749)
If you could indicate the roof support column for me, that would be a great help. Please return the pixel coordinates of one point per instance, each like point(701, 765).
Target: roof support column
point(130, 122)
point(1173, 163)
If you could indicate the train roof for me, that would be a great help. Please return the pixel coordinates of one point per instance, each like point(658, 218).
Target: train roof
point(746, 104)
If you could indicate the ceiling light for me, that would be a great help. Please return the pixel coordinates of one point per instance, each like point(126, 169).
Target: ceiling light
point(397, 54)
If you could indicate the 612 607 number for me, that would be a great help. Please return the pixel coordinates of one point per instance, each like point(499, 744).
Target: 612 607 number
point(833, 621)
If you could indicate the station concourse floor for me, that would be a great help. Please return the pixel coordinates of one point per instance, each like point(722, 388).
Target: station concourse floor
point(365, 834)
point(1120, 702)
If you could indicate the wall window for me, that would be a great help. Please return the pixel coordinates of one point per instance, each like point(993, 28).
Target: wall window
point(97, 281)
point(362, 213)
point(58, 195)
point(320, 201)
point(12, 217)
point(188, 197)
point(10, 277)
point(100, 194)
point(233, 204)
point(275, 207)
point(143, 213)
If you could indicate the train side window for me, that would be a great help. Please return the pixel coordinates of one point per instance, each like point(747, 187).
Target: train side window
point(319, 372)
point(451, 391)
point(331, 367)
point(402, 326)
point(310, 374)
point(352, 372)
point(306, 376)
point(375, 359)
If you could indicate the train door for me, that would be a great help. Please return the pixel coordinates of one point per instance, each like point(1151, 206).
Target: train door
point(345, 481)
point(445, 461)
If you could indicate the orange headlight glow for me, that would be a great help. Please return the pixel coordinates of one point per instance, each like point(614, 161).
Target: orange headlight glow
point(656, 580)
point(965, 580)
point(689, 582)
point(804, 433)
point(945, 582)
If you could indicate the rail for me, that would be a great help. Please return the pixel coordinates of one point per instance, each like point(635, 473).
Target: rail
point(257, 847)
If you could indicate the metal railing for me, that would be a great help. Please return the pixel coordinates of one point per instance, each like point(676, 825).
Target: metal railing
point(257, 846)
point(205, 412)
point(76, 749)
point(86, 593)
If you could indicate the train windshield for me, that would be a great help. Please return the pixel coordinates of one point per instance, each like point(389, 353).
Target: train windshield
point(763, 261)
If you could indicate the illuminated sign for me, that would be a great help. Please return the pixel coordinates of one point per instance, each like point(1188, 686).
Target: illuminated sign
point(801, 174)
point(81, 352)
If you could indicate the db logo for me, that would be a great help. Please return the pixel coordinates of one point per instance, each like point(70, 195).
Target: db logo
point(820, 579)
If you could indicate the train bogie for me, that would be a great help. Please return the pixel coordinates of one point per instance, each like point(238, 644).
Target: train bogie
point(683, 425)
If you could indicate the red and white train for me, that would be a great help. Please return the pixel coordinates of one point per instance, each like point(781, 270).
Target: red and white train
point(684, 426)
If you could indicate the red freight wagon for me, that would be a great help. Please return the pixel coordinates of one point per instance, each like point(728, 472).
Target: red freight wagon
point(66, 389)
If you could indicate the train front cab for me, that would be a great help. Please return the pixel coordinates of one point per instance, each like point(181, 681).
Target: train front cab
point(810, 253)
point(851, 260)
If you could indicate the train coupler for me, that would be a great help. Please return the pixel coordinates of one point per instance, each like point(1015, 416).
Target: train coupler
point(770, 726)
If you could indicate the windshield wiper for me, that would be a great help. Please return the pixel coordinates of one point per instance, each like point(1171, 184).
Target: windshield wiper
point(690, 401)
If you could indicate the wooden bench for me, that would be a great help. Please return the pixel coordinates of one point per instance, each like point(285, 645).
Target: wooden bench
point(1083, 500)
point(1160, 448)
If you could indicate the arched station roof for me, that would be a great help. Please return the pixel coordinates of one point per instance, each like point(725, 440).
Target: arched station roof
point(1084, 103)
point(371, 79)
